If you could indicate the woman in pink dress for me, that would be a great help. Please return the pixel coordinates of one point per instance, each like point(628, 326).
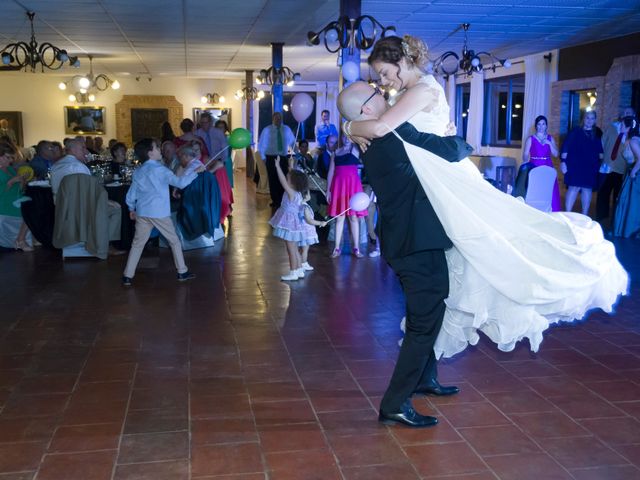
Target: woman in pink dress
point(538, 149)
point(344, 182)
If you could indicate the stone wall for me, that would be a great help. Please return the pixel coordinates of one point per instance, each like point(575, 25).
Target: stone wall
point(124, 106)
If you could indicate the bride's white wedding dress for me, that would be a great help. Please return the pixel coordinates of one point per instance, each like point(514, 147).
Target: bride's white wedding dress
point(513, 270)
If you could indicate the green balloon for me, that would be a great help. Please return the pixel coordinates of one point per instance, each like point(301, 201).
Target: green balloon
point(240, 138)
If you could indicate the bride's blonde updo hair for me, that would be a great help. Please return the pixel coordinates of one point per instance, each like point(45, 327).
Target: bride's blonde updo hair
point(394, 49)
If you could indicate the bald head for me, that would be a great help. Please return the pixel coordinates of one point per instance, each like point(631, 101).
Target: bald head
point(360, 101)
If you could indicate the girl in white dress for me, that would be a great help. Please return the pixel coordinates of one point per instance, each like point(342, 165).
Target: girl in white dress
point(513, 270)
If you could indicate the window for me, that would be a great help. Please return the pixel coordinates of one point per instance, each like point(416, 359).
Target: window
point(503, 111)
point(581, 101)
point(265, 108)
point(463, 94)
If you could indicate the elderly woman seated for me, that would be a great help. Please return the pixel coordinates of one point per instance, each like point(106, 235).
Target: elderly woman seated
point(13, 230)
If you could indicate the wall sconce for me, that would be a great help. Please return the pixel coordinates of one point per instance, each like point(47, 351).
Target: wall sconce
point(249, 93)
point(212, 98)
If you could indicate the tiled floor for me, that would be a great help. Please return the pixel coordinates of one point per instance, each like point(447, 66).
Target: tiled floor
point(239, 376)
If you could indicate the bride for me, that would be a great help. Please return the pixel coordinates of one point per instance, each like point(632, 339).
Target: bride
point(513, 270)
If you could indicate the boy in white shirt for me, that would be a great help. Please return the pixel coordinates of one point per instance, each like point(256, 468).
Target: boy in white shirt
point(148, 202)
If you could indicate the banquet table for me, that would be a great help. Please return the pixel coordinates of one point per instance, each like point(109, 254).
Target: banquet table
point(39, 214)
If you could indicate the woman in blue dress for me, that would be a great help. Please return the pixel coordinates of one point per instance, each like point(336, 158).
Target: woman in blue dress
point(626, 221)
point(581, 157)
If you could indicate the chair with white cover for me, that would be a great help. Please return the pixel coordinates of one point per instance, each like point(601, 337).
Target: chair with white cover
point(540, 187)
point(263, 182)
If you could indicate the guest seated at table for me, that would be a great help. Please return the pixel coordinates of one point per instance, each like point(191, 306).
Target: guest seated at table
point(88, 141)
point(169, 157)
point(13, 230)
point(74, 163)
point(189, 158)
point(119, 158)
point(43, 161)
point(58, 151)
point(98, 145)
point(303, 149)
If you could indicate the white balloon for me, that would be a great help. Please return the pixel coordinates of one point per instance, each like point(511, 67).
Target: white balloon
point(359, 202)
point(331, 36)
point(351, 71)
point(301, 106)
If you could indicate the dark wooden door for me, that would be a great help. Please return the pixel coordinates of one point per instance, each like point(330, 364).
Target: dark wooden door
point(145, 122)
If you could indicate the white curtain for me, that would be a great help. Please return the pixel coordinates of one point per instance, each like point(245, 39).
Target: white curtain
point(476, 107)
point(537, 86)
point(450, 91)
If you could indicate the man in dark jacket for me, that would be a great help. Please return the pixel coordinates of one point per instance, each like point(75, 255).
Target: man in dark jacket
point(413, 241)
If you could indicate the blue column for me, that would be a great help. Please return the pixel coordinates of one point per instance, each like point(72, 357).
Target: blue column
point(352, 9)
point(278, 88)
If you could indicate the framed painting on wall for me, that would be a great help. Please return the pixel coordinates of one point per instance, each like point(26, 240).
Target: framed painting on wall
point(11, 126)
point(84, 120)
point(218, 113)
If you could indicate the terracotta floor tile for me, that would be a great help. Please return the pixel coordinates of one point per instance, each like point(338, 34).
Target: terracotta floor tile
point(396, 471)
point(616, 391)
point(78, 466)
point(586, 406)
point(27, 429)
point(627, 472)
point(275, 391)
point(366, 450)
point(16, 457)
point(43, 384)
point(445, 459)
point(155, 421)
point(172, 470)
point(473, 415)
point(630, 452)
point(498, 440)
point(309, 464)
point(220, 406)
point(79, 438)
point(497, 382)
point(468, 394)
point(230, 430)
point(293, 437)
point(614, 431)
point(225, 459)
point(157, 398)
point(35, 405)
point(581, 452)
point(275, 413)
point(523, 401)
point(153, 447)
point(548, 424)
point(527, 466)
point(556, 386)
point(337, 400)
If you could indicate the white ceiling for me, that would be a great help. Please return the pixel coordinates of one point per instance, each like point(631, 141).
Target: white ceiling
point(222, 38)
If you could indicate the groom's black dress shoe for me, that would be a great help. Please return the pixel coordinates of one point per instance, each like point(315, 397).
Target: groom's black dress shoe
point(434, 388)
point(407, 416)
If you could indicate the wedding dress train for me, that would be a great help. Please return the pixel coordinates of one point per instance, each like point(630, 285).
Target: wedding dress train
point(513, 270)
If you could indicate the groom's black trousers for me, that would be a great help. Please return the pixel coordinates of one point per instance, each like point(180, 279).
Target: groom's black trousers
point(425, 281)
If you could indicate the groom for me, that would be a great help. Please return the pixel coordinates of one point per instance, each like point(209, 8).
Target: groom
point(413, 241)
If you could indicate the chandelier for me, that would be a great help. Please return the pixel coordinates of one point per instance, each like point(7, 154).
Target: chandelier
point(449, 63)
point(277, 76)
point(360, 33)
point(85, 85)
point(249, 93)
point(22, 54)
point(212, 98)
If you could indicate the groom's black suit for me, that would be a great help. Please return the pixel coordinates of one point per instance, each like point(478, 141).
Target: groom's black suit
point(413, 241)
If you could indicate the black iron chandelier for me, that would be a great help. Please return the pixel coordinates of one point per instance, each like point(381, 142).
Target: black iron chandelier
point(249, 93)
point(277, 76)
point(449, 63)
point(360, 33)
point(86, 85)
point(23, 55)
